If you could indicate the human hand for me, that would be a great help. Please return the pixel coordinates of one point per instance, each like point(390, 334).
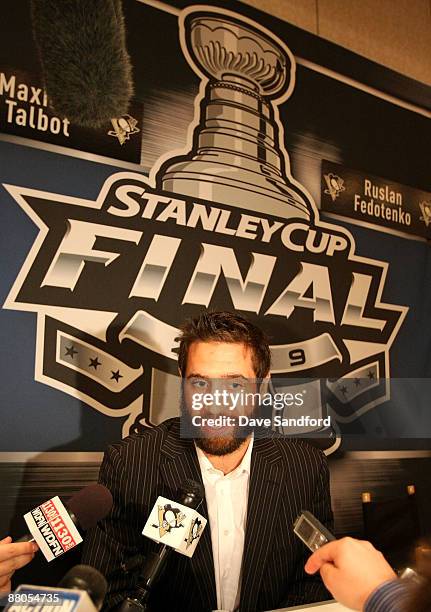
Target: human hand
point(351, 570)
point(13, 555)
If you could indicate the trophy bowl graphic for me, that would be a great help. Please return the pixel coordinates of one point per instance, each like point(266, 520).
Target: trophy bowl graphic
point(236, 157)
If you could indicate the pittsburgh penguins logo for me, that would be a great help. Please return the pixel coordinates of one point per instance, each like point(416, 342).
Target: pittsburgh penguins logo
point(335, 185)
point(169, 518)
point(124, 127)
point(195, 531)
point(426, 212)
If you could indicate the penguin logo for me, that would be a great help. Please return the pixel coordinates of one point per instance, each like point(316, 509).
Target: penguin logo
point(194, 531)
point(426, 212)
point(169, 518)
point(124, 127)
point(335, 185)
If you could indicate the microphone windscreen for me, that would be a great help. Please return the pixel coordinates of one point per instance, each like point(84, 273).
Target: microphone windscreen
point(90, 505)
point(191, 493)
point(86, 578)
point(86, 67)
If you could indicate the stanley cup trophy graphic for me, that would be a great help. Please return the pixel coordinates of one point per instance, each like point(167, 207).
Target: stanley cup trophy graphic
point(236, 157)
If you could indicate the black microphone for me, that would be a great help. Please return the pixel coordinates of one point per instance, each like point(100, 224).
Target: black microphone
point(88, 579)
point(85, 508)
point(86, 68)
point(190, 494)
point(91, 587)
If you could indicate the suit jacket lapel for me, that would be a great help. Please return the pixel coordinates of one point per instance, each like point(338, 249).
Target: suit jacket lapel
point(264, 494)
point(180, 462)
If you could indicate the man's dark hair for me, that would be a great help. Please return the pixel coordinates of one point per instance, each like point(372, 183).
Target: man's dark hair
point(225, 327)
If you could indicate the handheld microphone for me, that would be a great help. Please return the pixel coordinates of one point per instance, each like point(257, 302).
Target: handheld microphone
point(56, 527)
point(82, 589)
point(85, 64)
point(177, 526)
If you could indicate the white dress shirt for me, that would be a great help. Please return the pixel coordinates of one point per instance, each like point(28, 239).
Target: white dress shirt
point(227, 498)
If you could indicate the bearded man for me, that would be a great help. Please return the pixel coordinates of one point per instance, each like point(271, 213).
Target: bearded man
point(248, 557)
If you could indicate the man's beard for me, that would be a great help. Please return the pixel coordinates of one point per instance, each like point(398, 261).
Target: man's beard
point(219, 445)
point(213, 444)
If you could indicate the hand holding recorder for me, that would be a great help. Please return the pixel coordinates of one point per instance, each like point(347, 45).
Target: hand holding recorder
point(350, 569)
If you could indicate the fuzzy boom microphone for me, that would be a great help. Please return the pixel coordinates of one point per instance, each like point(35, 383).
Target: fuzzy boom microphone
point(82, 48)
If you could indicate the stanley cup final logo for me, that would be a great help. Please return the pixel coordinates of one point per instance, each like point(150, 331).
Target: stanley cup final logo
point(219, 225)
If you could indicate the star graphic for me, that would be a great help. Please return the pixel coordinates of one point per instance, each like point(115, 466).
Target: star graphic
point(70, 351)
point(116, 375)
point(357, 382)
point(343, 389)
point(94, 363)
point(370, 374)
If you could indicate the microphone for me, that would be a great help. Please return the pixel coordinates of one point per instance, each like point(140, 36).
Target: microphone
point(86, 67)
point(82, 589)
point(177, 526)
point(90, 505)
point(56, 527)
point(88, 579)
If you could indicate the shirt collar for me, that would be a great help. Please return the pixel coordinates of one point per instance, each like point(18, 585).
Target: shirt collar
point(245, 465)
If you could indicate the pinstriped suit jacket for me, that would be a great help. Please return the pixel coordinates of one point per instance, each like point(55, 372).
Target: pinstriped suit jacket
point(287, 476)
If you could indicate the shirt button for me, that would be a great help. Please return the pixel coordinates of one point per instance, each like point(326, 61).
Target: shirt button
point(226, 532)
